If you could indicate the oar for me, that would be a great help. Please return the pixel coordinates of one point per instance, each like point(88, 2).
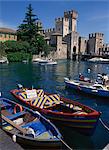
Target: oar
point(14, 125)
point(56, 130)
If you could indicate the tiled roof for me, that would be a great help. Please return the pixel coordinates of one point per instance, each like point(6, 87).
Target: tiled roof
point(7, 30)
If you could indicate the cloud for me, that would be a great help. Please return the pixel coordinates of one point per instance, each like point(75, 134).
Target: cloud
point(7, 25)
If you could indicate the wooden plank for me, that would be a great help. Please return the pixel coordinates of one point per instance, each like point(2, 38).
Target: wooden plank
point(14, 125)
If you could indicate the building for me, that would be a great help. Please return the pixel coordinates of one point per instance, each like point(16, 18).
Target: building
point(95, 43)
point(83, 47)
point(7, 34)
point(64, 36)
point(76, 45)
point(105, 50)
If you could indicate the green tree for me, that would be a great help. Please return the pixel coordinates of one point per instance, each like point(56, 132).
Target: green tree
point(16, 46)
point(39, 46)
point(28, 30)
point(2, 50)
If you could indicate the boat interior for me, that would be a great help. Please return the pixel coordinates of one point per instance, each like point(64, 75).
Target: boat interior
point(25, 123)
point(67, 108)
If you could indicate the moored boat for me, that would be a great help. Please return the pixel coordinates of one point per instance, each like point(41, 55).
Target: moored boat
point(98, 60)
point(89, 88)
point(61, 110)
point(28, 128)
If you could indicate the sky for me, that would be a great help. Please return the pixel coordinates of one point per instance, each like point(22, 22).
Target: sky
point(93, 15)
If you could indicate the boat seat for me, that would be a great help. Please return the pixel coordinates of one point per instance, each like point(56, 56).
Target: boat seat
point(45, 135)
point(14, 116)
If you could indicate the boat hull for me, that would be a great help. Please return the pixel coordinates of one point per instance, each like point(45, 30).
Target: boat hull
point(33, 144)
point(84, 123)
point(88, 90)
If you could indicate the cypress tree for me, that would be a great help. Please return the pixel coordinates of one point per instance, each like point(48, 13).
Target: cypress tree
point(28, 30)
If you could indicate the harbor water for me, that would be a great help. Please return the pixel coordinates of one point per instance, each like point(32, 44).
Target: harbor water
point(51, 79)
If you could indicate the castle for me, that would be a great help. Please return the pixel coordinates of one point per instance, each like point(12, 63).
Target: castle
point(66, 41)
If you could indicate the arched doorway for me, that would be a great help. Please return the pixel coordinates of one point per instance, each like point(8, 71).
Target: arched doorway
point(74, 53)
point(74, 49)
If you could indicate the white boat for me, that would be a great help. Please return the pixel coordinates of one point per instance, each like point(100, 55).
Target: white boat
point(96, 59)
point(50, 63)
point(39, 60)
point(4, 60)
point(89, 88)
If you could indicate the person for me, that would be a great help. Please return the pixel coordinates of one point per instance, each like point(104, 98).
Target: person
point(99, 79)
point(105, 79)
point(81, 77)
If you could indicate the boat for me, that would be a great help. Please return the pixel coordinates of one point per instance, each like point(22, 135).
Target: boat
point(59, 109)
point(93, 88)
point(25, 61)
point(98, 60)
point(4, 60)
point(48, 62)
point(27, 127)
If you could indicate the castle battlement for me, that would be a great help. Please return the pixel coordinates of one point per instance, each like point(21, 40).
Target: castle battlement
point(58, 19)
point(72, 13)
point(49, 30)
point(95, 35)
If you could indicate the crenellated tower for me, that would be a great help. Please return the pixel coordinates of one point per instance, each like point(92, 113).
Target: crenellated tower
point(67, 24)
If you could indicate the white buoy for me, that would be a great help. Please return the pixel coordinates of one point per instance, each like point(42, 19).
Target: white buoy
point(14, 138)
point(0, 94)
point(88, 70)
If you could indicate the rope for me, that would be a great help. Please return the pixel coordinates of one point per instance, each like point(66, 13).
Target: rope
point(103, 124)
point(65, 144)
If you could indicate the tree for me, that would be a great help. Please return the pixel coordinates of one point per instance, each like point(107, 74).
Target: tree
point(28, 30)
point(2, 50)
point(16, 46)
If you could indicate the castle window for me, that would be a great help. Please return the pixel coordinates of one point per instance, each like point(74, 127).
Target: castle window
point(5, 35)
point(9, 36)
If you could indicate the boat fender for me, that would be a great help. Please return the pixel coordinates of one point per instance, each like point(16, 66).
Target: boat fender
point(30, 132)
point(17, 106)
point(14, 138)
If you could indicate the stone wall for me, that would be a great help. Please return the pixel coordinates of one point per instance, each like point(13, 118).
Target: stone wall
point(82, 45)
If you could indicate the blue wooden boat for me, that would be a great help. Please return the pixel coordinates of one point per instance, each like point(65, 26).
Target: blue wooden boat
point(89, 88)
point(28, 128)
point(60, 110)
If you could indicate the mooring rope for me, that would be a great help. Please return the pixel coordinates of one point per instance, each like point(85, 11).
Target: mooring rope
point(65, 144)
point(103, 124)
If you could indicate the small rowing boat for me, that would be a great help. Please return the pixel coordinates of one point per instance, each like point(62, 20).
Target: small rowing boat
point(28, 128)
